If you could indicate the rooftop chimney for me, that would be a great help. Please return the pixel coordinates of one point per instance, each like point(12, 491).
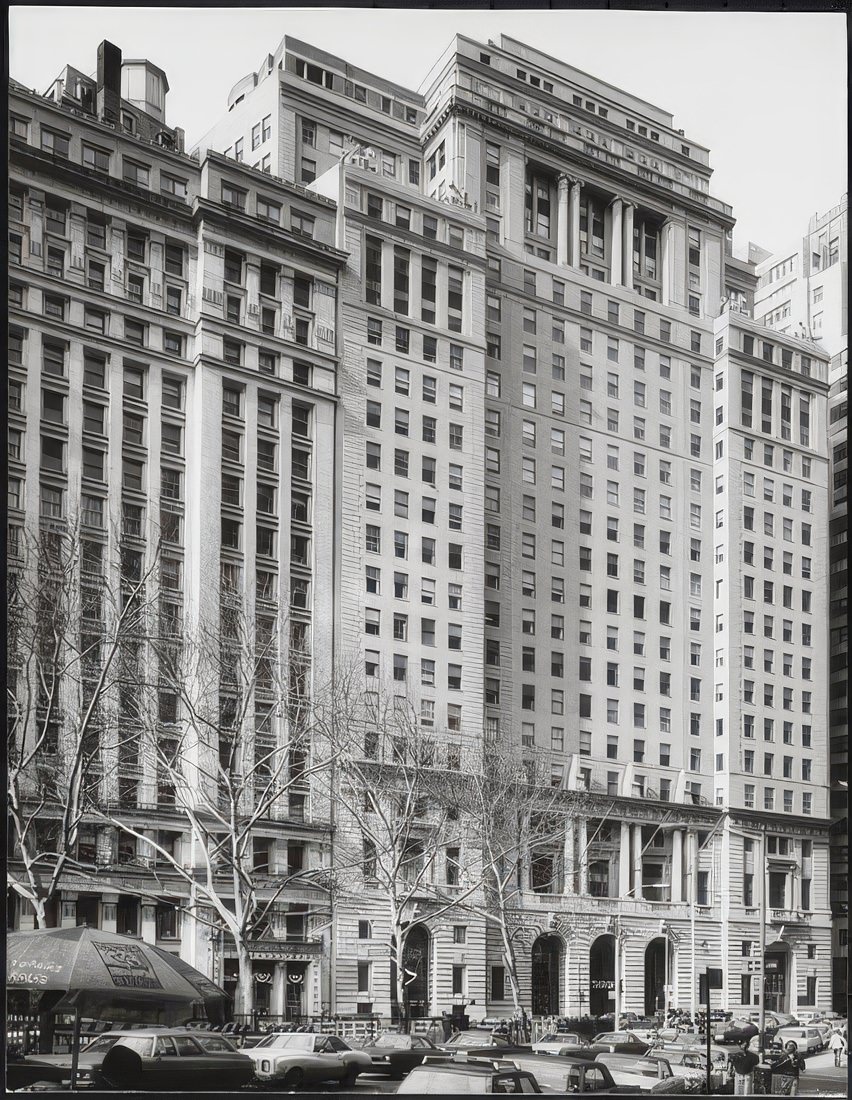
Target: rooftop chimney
point(109, 82)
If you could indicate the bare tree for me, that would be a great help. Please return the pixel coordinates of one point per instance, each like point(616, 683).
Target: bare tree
point(520, 822)
point(71, 612)
point(396, 813)
point(233, 751)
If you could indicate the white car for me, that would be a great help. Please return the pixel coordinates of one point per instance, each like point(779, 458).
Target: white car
point(808, 1040)
point(294, 1058)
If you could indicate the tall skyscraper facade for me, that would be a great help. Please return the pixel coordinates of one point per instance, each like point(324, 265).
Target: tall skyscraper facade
point(568, 503)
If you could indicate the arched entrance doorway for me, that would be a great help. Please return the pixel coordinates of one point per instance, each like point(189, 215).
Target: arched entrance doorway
point(602, 975)
point(777, 977)
point(655, 976)
point(546, 955)
point(415, 962)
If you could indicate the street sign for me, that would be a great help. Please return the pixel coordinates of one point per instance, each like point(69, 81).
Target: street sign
point(712, 979)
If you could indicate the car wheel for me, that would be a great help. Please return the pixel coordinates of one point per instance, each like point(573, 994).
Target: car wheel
point(293, 1078)
point(347, 1081)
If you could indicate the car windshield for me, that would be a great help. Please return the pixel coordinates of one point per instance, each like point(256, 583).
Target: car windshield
point(140, 1043)
point(215, 1044)
point(437, 1081)
point(471, 1039)
point(101, 1044)
point(285, 1039)
point(394, 1042)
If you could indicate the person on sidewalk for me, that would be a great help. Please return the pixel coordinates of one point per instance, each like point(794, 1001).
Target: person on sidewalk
point(785, 1071)
point(837, 1044)
point(743, 1064)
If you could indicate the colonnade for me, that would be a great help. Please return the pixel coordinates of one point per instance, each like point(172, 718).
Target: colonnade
point(622, 216)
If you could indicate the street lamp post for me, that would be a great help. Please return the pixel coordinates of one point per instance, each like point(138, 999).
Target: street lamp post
point(762, 942)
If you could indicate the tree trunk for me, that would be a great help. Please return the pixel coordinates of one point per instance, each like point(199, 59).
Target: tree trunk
point(510, 959)
point(244, 997)
point(398, 1000)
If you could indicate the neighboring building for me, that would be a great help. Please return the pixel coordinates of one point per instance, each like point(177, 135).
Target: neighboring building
point(770, 535)
point(838, 690)
point(169, 320)
point(530, 516)
point(804, 290)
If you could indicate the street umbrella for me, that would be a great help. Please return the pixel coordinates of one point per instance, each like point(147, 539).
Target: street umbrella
point(95, 972)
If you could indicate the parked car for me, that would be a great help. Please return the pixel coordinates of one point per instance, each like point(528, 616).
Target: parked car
point(735, 1031)
point(691, 1068)
point(478, 1077)
point(490, 1022)
point(619, 1042)
point(694, 1056)
point(648, 1076)
point(674, 1035)
point(555, 1041)
point(295, 1058)
point(808, 1040)
point(556, 1073)
point(474, 1040)
point(147, 1058)
point(395, 1054)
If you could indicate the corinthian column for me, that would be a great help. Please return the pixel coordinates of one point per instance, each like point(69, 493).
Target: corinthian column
point(574, 223)
point(615, 243)
point(665, 262)
point(627, 245)
point(677, 865)
point(562, 221)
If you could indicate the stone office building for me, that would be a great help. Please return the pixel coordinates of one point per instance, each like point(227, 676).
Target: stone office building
point(541, 534)
point(171, 318)
point(607, 266)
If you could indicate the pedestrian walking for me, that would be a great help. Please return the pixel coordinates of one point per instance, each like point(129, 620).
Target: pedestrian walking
point(837, 1044)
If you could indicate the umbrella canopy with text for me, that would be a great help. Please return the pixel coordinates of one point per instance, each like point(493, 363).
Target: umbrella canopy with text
point(99, 971)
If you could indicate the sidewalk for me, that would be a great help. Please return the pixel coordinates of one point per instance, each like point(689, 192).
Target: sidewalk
point(822, 1078)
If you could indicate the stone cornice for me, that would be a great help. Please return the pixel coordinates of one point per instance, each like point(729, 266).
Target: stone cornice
point(625, 180)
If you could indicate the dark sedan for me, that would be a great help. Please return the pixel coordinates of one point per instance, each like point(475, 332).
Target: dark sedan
point(155, 1058)
point(395, 1055)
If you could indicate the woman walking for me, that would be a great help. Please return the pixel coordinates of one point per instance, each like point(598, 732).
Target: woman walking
point(837, 1044)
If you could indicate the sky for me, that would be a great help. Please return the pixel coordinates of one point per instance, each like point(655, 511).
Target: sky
point(766, 93)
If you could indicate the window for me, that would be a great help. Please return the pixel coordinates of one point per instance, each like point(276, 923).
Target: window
point(55, 143)
point(302, 224)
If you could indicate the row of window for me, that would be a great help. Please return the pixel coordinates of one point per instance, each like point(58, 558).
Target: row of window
point(102, 322)
point(401, 288)
point(769, 803)
point(430, 226)
point(267, 209)
point(97, 158)
point(780, 356)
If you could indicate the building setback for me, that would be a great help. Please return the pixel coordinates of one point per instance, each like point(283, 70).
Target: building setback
point(567, 500)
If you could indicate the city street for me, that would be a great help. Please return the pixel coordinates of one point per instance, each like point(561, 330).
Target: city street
point(821, 1078)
